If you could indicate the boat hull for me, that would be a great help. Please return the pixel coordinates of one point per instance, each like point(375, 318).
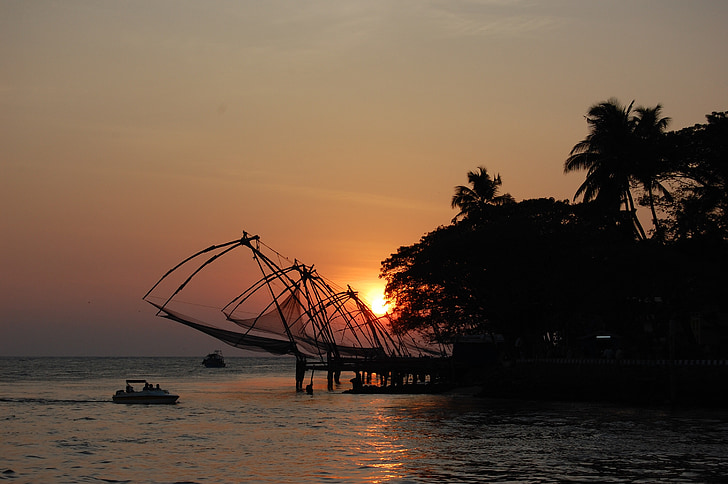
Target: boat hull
point(146, 398)
point(214, 360)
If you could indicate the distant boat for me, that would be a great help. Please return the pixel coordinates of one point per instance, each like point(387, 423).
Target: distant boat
point(214, 360)
point(149, 394)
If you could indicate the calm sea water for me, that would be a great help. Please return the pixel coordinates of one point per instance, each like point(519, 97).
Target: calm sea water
point(245, 423)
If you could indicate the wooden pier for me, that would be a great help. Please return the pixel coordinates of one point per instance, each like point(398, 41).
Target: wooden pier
point(384, 375)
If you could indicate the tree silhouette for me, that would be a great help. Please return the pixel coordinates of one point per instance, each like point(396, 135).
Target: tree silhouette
point(698, 159)
point(483, 191)
point(649, 128)
point(543, 267)
point(608, 154)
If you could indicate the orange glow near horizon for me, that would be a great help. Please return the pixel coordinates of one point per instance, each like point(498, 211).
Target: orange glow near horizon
point(378, 304)
point(337, 134)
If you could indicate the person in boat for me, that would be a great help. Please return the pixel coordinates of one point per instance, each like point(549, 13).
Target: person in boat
point(157, 388)
point(129, 388)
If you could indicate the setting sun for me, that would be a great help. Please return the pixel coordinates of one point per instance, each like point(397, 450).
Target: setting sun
point(377, 303)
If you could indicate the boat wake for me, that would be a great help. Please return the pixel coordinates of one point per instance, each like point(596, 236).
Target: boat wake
point(48, 401)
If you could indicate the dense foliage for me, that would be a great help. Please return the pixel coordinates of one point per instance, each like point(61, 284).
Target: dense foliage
point(697, 159)
point(550, 273)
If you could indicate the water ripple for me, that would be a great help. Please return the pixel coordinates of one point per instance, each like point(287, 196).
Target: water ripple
point(251, 426)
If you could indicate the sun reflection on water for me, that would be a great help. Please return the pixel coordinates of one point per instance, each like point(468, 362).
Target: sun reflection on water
point(382, 450)
point(247, 424)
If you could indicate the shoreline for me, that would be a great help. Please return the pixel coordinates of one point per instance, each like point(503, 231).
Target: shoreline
point(683, 383)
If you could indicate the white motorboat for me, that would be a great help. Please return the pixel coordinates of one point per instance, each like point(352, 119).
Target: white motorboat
point(149, 394)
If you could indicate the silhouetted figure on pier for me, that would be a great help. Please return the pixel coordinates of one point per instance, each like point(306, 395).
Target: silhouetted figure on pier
point(300, 373)
point(356, 382)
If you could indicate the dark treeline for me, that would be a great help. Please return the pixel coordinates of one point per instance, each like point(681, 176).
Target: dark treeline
point(552, 274)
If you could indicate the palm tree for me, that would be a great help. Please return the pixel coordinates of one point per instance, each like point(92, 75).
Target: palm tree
point(650, 130)
point(483, 191)
point(608, 155)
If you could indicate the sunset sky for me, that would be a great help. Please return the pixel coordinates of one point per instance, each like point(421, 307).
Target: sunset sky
point(134, 133)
